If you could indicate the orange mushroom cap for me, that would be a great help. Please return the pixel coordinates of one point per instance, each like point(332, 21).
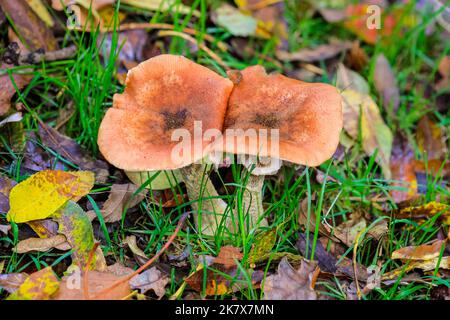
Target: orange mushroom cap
point(307, 115)
point(162, 94)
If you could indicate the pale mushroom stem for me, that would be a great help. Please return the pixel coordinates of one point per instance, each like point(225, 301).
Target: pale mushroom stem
point(252, 199)
point(210, 208)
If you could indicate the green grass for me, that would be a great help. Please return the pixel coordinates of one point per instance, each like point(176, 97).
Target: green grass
point(88, 81)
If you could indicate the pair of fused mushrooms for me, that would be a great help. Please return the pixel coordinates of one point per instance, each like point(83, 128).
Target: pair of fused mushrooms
point(269, 117)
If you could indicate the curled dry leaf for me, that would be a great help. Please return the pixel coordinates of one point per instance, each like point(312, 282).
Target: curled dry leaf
point(422, 252)
point(41, 285)
point(131, 242)
point(321, 52)
point(291, 284)
point(386, 84)
point(151, 279)
point(39, 196)
point(121, 198)
point(43, 244)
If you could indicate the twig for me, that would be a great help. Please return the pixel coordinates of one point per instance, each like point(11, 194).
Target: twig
point(148, 263)
point(187, 37)
point(13, 55)
point(164, 26)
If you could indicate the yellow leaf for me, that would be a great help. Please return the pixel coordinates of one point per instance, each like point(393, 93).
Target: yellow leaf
point(41, 11)
point(41, 285)
point(39, 196)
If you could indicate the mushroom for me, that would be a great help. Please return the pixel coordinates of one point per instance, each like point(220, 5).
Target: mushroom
point(169, 98)
point(295, 122)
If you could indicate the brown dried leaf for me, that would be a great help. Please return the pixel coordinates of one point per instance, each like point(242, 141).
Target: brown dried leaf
point(30, 28)
point(12, 281)
point(131, 242)
point(7, 90)
point(72, 151)
point(422, 252)
point(121, 198)
point(321, 52)
point(386, 84)
point(217, 284)
point(97, 281)
point(6, 185)
point(402, 169)
point(430, 139)
point(43, 244)
point(291, 284)
point(151, 279)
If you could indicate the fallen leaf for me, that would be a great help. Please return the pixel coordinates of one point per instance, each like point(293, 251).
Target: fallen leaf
point(121, 198)
point(430, 139)
point(131, 242)
point(15, 117)
point(77, 228)
point(357, 17)
point(39, 196)
point(97, 281)
point(151, 279)
point(216, 282)
point(386, 84)
point(41, 11)
point(42, 244)
point(4, 229)
point(236, 22)
point(7, 89)
point(291, 284)
point(30, 28)
point(444, 71)
point(402, 169)
point(72, 151)
point(41, 285)
point(319, 53)
point(12, 281)
point(262, 245)
point(270, 18)
point(426, 211)
point(228, 256)
point(326, 261)
point(6, 185)
point(349, 230)
point(360, 111)
point(422, 252)
point(44, 228)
